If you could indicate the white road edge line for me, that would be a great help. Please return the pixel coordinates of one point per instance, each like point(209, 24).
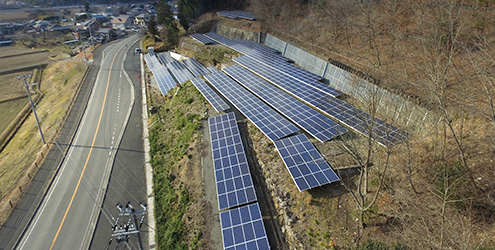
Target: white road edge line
point(66, 161)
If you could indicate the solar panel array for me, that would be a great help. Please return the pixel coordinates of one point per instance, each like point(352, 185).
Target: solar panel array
point(196, 68)
point(286, 73)
point(162, 76)
point(212, 69)
point(245, 49)
point(243, 228)
point(151, 61)
point(313, 122)
point(218, 104)
point(180, 72)
point(232, 175)
point(201, 38)
point(361, 122)
point(165, 58)
point(234, 14)
point(305, 164)
point(272, 124)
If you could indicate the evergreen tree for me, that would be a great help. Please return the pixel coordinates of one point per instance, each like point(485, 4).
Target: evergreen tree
point(152, 29)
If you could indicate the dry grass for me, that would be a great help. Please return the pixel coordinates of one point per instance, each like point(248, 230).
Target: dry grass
point(9, 110)
point(11, 87)
point(25, 60)
point(58, 85)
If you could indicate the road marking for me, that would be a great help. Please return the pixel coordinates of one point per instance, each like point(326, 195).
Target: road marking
point(90, 151)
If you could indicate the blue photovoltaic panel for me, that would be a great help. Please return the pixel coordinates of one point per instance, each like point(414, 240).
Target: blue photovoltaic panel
point(382, 132)
point(212, 69)
point(218, 104)
point(201, 38)
point(313, 122)
point(243, 228)
point(272, 124)
point(234, 14)
point(162, 76)
point(241, 47)
point(196, 68)
point(164, 79)
point(165, 58)
point(264, 62)
point(291, 70)
point(305, 164)
point(151, 61)
point(232, 175)
point(180, 72)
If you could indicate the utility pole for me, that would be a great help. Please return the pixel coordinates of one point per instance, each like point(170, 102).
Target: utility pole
point(19, 77)
point(90, 35)
point(123, 232)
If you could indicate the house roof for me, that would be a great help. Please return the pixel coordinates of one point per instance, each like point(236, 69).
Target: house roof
point(119, 20)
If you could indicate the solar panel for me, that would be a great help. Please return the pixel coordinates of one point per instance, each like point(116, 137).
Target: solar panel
point(289, 70)
point(151, 61)
point(218, 104)
point(201, 38)
point(164, 79)
point(180, 72)
point(313, 122)
point(212, 69)
point(165, 58)
point(359, 121)
point(305, 164)
point(243, 228)
point(244, 49)
point(196, 68)
point(232, 175)
point(272, 124)
point(234, 14)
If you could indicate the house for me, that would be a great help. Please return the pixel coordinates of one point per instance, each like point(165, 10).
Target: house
point(121, 22)
point(99, 18)
point(106, 34)
point(60, 29)
point(142, 19)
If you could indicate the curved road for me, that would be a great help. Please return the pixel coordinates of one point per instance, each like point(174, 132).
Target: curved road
point(68, 215)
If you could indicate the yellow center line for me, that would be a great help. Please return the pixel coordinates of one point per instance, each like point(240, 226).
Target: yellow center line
point(90, 151)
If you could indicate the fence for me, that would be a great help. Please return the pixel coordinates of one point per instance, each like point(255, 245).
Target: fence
point(395, 107)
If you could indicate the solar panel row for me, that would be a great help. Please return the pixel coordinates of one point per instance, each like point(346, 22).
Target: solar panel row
point(201, 38)
point(237, 14)
point(180, 72)
point(232, 175)
point(218, 104)
point(162, 76)
point(384, 133)
point(313, 122)
point(196, 68)
point(272, 124)
point(243, 228)
point(212, 69)
point(306, 165)
point(165, 58)
point(288, 70)
point(246, 50)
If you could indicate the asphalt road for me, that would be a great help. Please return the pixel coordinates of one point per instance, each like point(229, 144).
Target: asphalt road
point(127, 179)
point(68, 215)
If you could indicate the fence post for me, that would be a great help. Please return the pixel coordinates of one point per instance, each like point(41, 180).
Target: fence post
point(324, 70)
point(285, 48)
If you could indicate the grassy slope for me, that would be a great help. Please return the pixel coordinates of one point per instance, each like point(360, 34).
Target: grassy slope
point(58, 86)
point(175, 141)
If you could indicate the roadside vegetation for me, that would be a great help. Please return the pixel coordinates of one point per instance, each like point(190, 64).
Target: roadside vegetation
point(175, 140)
point(434, 191)
point(58, 82)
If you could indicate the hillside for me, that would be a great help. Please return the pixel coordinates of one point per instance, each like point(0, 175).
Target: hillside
point(434, 191)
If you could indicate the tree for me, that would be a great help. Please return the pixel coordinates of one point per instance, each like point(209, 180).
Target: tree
point(152, 29)
point(86, 6)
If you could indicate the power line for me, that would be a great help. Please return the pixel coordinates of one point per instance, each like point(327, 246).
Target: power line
point(122, 232)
